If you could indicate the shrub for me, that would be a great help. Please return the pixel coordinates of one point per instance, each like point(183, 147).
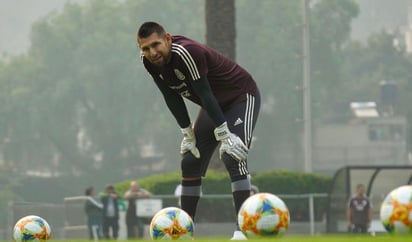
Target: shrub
point(220, 210)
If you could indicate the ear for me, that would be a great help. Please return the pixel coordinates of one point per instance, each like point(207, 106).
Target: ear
point(168, 37)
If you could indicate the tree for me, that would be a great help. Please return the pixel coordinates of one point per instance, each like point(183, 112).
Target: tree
point(273, 52)
point(80, 102)
point(331, 29)
point(220, 35)
point(74, 101)
point(368, 64)
point(220, 26)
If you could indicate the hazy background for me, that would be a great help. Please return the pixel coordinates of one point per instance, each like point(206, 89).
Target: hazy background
point(78, 109)
point(83, 59)
point(16, 17)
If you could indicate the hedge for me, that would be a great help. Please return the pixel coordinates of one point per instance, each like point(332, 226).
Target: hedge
point(220, 210)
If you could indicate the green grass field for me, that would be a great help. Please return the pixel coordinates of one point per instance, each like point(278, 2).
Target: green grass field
point(296, 238)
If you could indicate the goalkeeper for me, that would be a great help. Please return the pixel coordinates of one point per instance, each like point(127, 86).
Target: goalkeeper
point(229, 101)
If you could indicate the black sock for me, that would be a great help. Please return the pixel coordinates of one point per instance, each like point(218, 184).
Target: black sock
point(190, 196)
point(238, 198)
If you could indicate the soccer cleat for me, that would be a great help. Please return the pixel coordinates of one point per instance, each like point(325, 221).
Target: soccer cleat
point(238, 235)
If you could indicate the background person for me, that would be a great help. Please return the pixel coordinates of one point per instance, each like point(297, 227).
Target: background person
point(359, 211)
point(178, 193)
point(135, 224)
point(109, 199)
point(253, 189)
point(93, 209)
point(229, 103)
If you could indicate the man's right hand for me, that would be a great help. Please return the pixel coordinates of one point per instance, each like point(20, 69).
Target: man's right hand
point(231, 143)
point(189, 142)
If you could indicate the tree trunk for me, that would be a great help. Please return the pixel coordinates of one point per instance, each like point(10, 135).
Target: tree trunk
point(220, 35)
point(220, 26)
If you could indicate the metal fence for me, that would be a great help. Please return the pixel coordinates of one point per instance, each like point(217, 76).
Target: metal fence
point(68, 219)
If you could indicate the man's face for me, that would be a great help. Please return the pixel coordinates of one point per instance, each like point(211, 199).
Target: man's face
point(156, 48)
point(361, 190)
point(134, 186)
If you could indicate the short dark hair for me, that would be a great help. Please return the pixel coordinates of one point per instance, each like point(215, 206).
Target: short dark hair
point(89, 191)
point(148, 28)
point(360, 185)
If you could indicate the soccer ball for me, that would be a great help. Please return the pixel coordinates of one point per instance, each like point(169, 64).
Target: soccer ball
point(396, 211)
point(171, 223)
point(31, 228)
point(263, 214)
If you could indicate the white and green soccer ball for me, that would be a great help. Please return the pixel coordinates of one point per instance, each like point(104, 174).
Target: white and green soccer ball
point(171, 223)
point(31, 228)
point(264, 214)
point(396, 211)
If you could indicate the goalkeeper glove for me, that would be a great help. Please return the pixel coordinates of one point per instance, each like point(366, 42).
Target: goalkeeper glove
point(189, 142)
point(231, 143)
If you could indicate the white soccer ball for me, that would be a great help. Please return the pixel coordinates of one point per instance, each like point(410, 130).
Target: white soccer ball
point(263, 214)
point(396, 211)
point(31, 228)
point(171, 223)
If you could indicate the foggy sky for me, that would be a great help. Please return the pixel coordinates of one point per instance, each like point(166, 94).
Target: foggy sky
point(17, 16)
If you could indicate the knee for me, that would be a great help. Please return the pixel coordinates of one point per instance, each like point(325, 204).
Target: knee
point(237, 170)
point(190, 165)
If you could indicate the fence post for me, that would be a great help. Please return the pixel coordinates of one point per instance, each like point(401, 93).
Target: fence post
point(10, 220)
point(311, 214)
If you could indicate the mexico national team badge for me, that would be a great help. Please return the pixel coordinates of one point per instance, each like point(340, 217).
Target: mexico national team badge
point(179, 74)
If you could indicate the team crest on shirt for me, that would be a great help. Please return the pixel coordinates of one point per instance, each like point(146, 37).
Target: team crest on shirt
point(179, 75)
point(185, 93)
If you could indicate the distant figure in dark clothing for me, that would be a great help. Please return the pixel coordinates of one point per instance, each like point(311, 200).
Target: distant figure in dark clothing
point(359, 211)
point(110, 212)
point(94, 214)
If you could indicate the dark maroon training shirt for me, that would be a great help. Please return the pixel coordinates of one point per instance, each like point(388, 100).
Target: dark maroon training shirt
point(192, 60)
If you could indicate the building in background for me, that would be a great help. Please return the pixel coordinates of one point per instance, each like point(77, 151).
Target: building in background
point(374, 135)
